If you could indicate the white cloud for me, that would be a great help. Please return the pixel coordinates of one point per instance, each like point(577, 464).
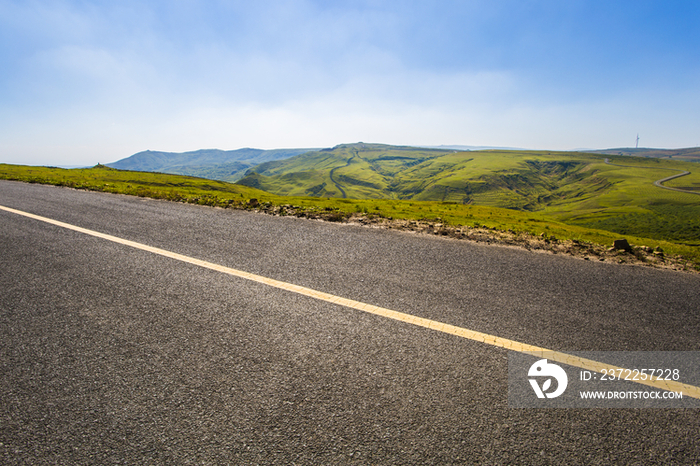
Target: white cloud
point(419, 109)
point(93, 83)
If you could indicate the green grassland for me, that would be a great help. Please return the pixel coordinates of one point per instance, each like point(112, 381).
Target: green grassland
point(144, 184)
point(575, 188)
point(633, 205)
point(596, 209)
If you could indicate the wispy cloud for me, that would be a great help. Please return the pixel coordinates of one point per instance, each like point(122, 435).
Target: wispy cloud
point(86, 80)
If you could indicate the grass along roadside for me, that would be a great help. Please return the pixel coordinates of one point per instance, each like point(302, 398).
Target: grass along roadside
point(531, 230)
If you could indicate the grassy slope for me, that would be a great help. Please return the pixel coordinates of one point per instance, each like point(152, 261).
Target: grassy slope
point(144, 184)
point(633, 205)
point(357, 170)
point(216, 193)
point(513, 179)
point(575, 188)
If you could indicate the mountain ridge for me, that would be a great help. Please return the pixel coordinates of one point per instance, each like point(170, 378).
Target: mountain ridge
point(366, 173)
point(214, 164)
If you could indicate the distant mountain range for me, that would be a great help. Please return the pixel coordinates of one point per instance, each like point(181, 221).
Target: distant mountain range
point(390, 171)
point(215, 164)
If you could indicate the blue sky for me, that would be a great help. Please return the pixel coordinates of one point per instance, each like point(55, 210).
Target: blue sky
point(83, 82)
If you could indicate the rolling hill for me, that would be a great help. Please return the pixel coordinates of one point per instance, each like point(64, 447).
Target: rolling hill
point(614, 193)
point(525, 180)
point(602, 190)
point(206, 163)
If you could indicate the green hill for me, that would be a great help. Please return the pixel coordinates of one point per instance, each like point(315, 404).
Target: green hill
point(359, 171)
point(574, 187)
point(206, 163)
point(525, 180)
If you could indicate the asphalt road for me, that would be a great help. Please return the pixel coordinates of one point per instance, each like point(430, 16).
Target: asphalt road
point(112, 355)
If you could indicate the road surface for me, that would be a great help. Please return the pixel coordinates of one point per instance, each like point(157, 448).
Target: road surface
point(116, 355)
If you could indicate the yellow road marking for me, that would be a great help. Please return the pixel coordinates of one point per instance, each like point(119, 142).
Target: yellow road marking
point(571, 360)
